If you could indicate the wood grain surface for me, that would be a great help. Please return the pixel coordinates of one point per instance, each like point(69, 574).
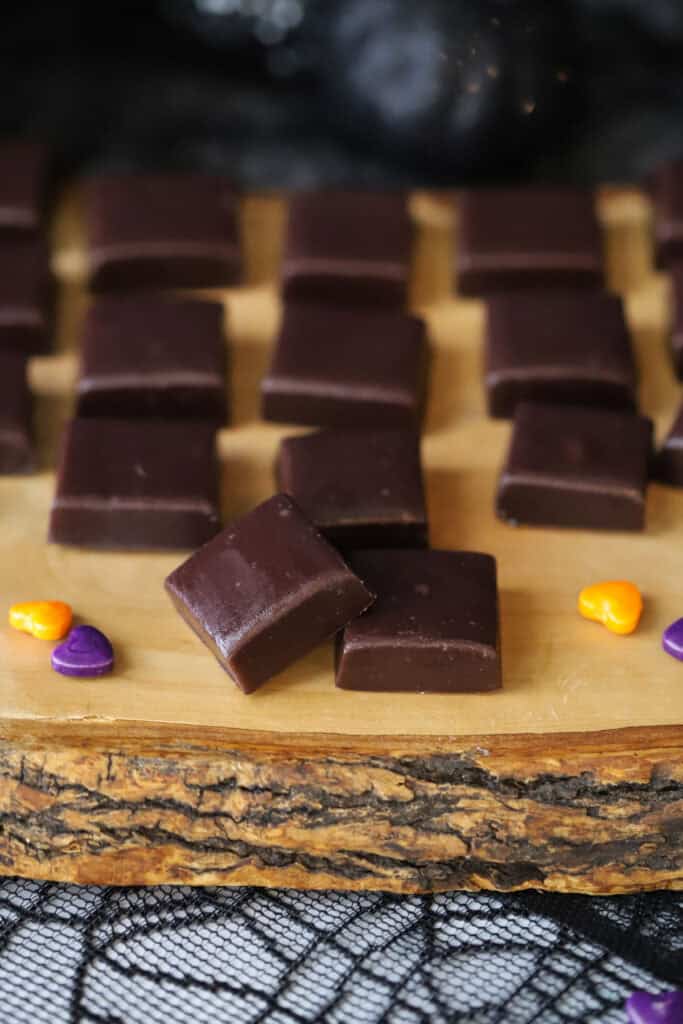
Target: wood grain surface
point(571, 778)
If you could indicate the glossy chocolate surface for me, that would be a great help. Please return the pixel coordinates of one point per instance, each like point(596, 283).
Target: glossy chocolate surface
point(25, 296)
point(527, 237)
point(432, 629)
point(361, 488)
point(161, 231)
point(577, 467)
point(23, 181)
point(145, 484)
point(569, 346)
point(144, 355)
point(337, 366)
point(265, 591)
point(16, 410)
point(669, 460)
point(348, 246)
point(667, 194)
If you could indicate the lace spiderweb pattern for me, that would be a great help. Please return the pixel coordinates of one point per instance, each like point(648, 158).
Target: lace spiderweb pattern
point(167, 955)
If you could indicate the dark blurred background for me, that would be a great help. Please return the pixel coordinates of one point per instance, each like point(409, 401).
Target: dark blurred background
point(305, 92)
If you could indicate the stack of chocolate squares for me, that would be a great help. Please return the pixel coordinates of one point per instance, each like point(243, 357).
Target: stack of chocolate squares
point(25, 294)
point(347, 534)
point(138, 466)
point(558, 359)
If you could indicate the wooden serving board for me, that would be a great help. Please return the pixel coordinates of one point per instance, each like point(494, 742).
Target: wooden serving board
point(570, 779)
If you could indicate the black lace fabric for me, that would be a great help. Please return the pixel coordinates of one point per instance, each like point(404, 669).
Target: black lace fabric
point(170, 955)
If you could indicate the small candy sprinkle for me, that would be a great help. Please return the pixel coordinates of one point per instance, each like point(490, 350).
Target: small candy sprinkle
point(663, 1008)
point(617, 604)
point(86, 652)
point(672, 639)
point(46, 620)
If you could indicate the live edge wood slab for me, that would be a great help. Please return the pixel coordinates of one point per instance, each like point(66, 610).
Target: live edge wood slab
point(570, 778)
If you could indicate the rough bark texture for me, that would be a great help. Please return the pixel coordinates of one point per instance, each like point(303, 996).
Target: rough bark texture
point(604, 814)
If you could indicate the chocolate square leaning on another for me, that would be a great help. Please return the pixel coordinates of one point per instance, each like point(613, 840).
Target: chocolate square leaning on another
point(265, 591)
point(527, 237)
point(339, 366)
point(145, 355)
point(161, 231)
point(574, 466)
point(144, 484)
point(348, 247)
point(433, 628)
point(16, 414)
point(361, 488)
point(569, 346)
point(25, 296)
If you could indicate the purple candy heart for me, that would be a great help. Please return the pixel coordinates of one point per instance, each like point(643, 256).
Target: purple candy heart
point(664, 1008)
point(672, 639)
point(85, 652)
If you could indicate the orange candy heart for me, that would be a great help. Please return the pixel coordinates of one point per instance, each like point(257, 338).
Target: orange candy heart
point(617, 604)
point(46, 620)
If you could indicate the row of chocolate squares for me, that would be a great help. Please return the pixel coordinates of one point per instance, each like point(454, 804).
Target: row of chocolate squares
point(182, 231)
point(161, 233)
point(153, 356)
point(535, 231)
point(146, 484)
point(570, 343)
point(164, 232)
point(351, 247)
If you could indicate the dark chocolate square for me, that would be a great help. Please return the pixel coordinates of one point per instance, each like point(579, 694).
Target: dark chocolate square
point(161, 231)
point(335, 366)
point(147, 484)
point(23, 182)
point(669, 460)
point(558, 346)
point(576, 466)
point(677, 327)
point(523, 237)
point(348, 247)
point(432, 629)
point(25, 296)
point(667, 194)
point(144, 355)
point(16, 415)
point(361, 488)
point(265, 591)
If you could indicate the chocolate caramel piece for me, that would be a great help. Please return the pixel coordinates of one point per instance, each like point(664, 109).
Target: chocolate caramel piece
point(577, 467)
point(348, 247)
point(144, 355)
point(570, 346)
point(161, 231)
point(338, 366)
point(527, 237)
point(146, 484)
point(16, 413)
point(265, 591)
point(25, 296)
point(23, 186)
point(432, 629)
point(667, 195)
point(677, 326)
point(361, 488)
point(668, 465)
